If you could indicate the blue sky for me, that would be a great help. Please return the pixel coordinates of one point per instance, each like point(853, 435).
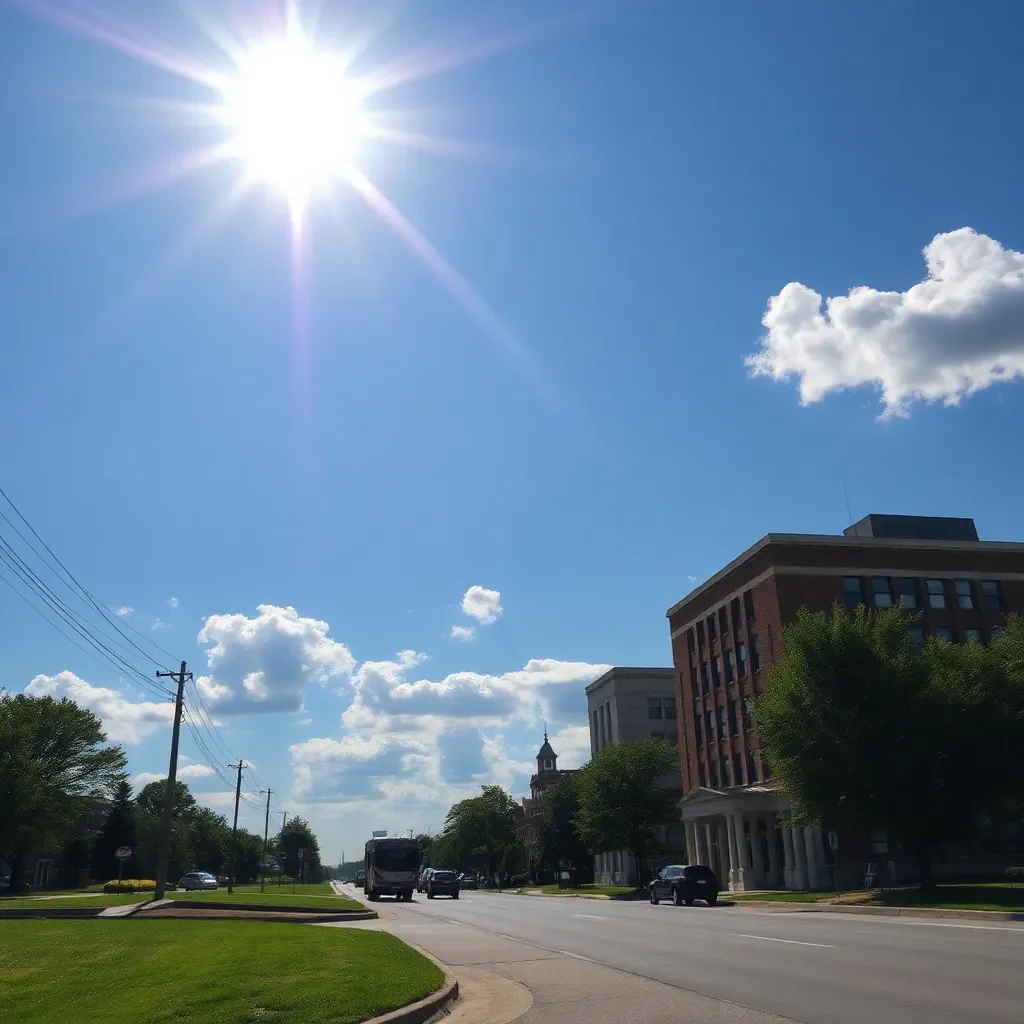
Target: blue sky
point(558, 408)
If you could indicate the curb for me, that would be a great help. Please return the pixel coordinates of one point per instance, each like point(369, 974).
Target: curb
point(67, 913)
point(779, 907)
point(354, 915)
point(428, 1008)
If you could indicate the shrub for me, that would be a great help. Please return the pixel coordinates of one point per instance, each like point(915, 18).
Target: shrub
point(131, 885)
point(1014, 874)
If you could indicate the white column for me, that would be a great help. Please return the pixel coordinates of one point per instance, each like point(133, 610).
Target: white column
point(698, 843)
point(800, 880)
point(743, 879)
point(730, 825)
point(691, 843)
point(709, 848)
point(757, 850)
point(771, 834)
point(789, 868)
point(723, 854)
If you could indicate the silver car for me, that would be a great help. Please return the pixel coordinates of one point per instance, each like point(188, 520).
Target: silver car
point(197, 880)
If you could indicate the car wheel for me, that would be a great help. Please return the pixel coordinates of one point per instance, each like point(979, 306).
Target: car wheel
point(455, 895)
point(654, 898)
point(677, 898)
point(689, 902)
point(712, 900)
point(430, 895)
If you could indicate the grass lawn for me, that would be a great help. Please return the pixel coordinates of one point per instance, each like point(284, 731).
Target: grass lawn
point(99, 902)
point(320, 896)
point(584, 890)
point(977, 896)
point(204, 972)
point(778, 897)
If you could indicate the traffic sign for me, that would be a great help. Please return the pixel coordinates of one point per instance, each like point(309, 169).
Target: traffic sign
point(123, 853)
point(833, 840)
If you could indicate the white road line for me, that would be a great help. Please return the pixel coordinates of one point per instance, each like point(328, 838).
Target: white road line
point(511, 938)
point(588, 917)
point(972, 927)
point(575, 956)
point(792, 942)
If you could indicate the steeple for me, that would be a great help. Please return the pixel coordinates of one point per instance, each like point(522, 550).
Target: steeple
point(547, 759)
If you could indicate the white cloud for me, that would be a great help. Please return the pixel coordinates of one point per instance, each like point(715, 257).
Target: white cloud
point(195, 771)
point(957, 332)
point(464, 633)
point(173, 602)
point(572, 745)
point(482, 604)
point(266, 663)
point(123, 720)
point(125, 609)
point(143, 779)
point(185, 773)
point(159, 624)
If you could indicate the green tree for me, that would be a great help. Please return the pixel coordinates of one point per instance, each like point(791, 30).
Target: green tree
point(296, 835)
point(209, 840)
point(479, 829)
point(559, 839)
point(51, 758)
point(866, 732)
point(627, 792)
point(118, 829)
point(149, 806)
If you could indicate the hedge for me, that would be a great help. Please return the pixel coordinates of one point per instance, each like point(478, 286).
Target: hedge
point(133, 885)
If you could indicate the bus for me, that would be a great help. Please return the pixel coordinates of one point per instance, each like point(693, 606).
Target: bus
point(392, 864)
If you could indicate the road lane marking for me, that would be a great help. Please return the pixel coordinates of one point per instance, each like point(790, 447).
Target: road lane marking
point(511, 938)
point(575, 956)
point(588, 917)
point(792, 942)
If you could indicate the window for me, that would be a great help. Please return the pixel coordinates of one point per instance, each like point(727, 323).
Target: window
point(751, 768)
point(690, 644)
point(944, 634)
point(964, 598)
point(990, 596)
point(734, 718)
point(730, 666)
point(747, 719)
point(748, 607)
point(709, 726)
point(669, 706)
point(972, 636)
point(907, 592)
point(722, 732)
point(547, 764)
point(714, 775)
point(654, 707)
point(702, 775)
point(734, 607)
point(755, 655)
point(851, 592)
point(700, 633)
point(726, 770)
point(698, 732)
point(917, 637)
point(716, 671)
point(936, 594)
point(741, 658)
point(712, 635)
point(881, 591)
point(704, 686)
point(723, 621)
point(737, 769)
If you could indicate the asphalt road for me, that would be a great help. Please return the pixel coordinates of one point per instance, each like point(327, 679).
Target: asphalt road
point(812, 967)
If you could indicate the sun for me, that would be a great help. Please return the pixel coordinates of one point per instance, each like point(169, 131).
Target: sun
point(294, 116)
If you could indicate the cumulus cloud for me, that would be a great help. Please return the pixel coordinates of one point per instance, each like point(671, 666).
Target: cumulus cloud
point(464, 633)
point(123, 610)
point(195, 771)
point(956, 332)
point(173, 602)
point(159, 624)
point(265, 663)
point(482, 604)
point(572, 745)
point(143, 779)
point(124, 721)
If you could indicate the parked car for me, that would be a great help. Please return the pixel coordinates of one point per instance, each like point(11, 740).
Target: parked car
point(684, 883)
point(421, 882)
point(361, 879)
point(197, 880)
point(468, 880)
point(443, 883)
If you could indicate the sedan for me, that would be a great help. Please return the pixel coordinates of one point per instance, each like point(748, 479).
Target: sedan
point(468, 880)
point(684, 883)
point(443, 883)
point(197, 880)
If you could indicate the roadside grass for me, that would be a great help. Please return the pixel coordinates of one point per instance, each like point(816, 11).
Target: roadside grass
point(204, 972)
point(777, 897)
point(583, 890)
point(953, 896)
point(99, 901)
point(320, 896)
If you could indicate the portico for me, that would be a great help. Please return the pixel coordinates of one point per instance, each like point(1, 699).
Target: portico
point(743, 835)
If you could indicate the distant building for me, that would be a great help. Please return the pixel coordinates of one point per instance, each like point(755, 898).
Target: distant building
point(728, 632)
point(547, 775)
point(633, 704)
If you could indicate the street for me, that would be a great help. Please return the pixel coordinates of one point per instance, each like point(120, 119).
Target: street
point(812, 967)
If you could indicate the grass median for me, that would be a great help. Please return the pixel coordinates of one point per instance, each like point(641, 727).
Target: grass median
point(584, 890)
point(204, 972)
point(319, 896)
point(99, 901)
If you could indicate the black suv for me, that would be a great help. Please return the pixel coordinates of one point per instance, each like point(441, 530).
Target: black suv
point(684, 883)
point(443, 883)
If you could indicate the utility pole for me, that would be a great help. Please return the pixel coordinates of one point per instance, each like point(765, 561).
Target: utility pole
point(266, 832)
point(172, 776)
point(234, 828)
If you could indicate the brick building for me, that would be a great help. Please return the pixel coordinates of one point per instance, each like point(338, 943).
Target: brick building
point(728, 631)
point(528, 828)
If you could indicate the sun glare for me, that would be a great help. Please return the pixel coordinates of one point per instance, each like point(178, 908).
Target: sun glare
point(295, 117)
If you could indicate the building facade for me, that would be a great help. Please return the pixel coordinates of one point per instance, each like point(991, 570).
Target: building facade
point(728, 632)
point(528, 829)
point(632, 704)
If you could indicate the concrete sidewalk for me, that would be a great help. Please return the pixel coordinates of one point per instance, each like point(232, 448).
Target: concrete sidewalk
point(565, 988)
